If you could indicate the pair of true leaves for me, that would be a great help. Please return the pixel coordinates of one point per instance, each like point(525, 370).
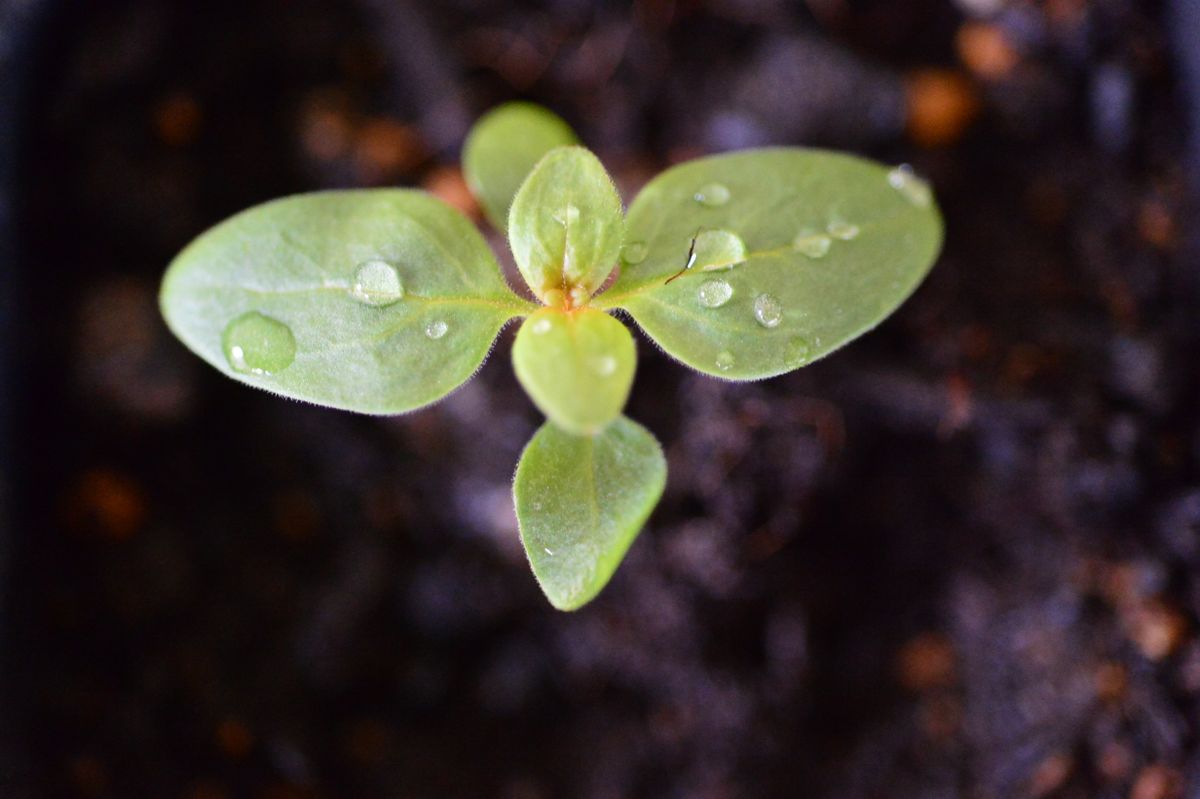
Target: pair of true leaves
point(382, 301)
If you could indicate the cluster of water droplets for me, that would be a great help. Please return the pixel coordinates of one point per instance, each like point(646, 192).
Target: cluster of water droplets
point(257, 344)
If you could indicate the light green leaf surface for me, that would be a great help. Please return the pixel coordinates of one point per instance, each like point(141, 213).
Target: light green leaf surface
point(503, 148)
point(834, 243)
point(576, 366)
point(580, 503)
point(565, 225)
point(377, 301)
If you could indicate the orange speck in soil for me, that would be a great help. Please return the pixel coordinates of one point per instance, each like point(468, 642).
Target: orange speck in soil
point(941, 104)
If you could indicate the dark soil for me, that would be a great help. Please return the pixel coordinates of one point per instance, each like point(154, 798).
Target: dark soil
point(959, 558)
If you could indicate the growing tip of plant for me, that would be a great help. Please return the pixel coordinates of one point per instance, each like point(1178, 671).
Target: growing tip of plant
point(691, 258)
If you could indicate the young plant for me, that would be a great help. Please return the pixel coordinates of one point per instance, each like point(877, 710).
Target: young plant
point(742, 266)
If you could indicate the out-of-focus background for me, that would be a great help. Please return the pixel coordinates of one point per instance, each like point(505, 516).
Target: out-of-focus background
point(960, 558)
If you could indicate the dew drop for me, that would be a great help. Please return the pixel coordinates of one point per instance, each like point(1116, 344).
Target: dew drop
point(634, 252)
point(814, 245)
point(548, 551)
point(724, 360)
point(914, 189)
point(798, 349)
point(376, 283)
point(714, 293)
point(567, 216)
point(717, 249)
point(258, 345)
point(768, 310)
point(712, 195)
point(541, 326)
point(842, 230)
point(605, 366)
point(436, 329)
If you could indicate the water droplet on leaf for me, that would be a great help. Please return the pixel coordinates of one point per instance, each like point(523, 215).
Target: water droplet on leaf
point(605, 365)
point(842, 230)
point(712, 195)
point(634, 252)
point(798, 349)
point(567, 216)
point(714, 293)
point(724, 360)
point(376, 283)
point(436, 329)
point(914, 189)
point(717, 249)
point(814, 245)
point(768, 310)
point(257, 344)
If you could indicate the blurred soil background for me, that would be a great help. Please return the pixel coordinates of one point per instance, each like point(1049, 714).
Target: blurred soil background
point(959, 559)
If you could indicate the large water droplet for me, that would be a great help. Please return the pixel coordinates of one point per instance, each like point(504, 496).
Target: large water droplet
point(714, 293)
point(914, 189)
point(257, 344)
point(436, 329)
point(814, 245)
point(567, 216)
point(376, 283)
point(725, 360)
point(605, 365)
point(541, 326)
point(634, 252)
point(768, 310)
point(842, 230)
point(712, 195)
point(718, 249)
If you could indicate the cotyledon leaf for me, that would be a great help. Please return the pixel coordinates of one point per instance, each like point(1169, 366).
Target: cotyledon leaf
point(834, 243)
point(577, 366)
point(503, 147)
point(581, 501)
point(377, 301)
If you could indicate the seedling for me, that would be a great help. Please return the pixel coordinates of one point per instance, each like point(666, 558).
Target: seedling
point(382, 301)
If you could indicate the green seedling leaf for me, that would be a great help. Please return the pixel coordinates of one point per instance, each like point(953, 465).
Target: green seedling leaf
point(376, 301)
point(832, 245)
point(580, 503)
point(565, 226)
point(577, 366)
point(503, 148)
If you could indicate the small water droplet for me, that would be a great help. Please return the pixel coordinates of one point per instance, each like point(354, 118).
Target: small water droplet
point(376, 283)
point(814, 245)
point(798, 349)
point(714, 293)
point(605, 366)
point(257, 344)
point(436, 329)
point(712, 195)
point(725, 360)
point(842, 230)
point(768, 310)
point(914, 189)
point(634, 252)
point(717, 249)
point(541, 326)
point(567, 216)
point(548, 551)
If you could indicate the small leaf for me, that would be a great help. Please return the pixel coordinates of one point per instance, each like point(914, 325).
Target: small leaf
point(576, 366)
point(580, 503)
point(503, 148)
point(565, 225)
point(834, 244)
point(377, 301)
